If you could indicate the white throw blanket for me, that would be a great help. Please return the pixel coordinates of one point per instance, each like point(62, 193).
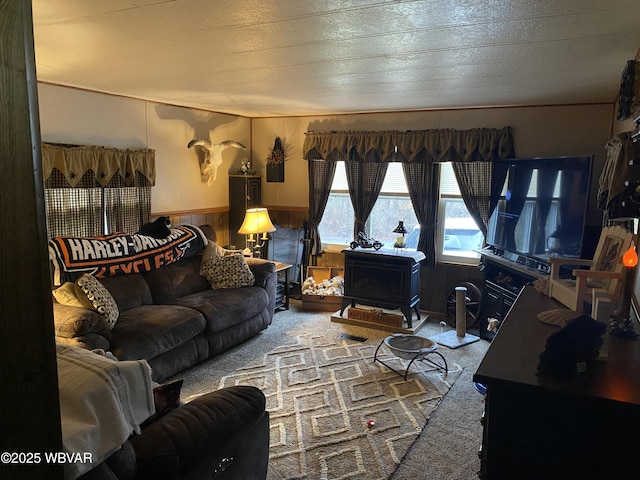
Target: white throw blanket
point(102, 402)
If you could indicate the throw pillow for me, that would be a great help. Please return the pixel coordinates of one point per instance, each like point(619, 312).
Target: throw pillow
point(97, 297)
point(66, 295)
point(213, 251)
point(210, 252)
point(73, 322)
point(230, 271)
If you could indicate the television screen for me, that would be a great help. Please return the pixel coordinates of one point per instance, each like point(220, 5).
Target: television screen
point(540, 205)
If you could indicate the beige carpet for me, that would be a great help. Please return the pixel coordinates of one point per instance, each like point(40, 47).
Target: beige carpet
point(446, 449)
point(321, 393)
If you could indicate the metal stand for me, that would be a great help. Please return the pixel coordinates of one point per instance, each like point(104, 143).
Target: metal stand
point(417, 355)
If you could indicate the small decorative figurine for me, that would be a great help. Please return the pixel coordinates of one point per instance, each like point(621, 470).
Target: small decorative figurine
point(365, 242)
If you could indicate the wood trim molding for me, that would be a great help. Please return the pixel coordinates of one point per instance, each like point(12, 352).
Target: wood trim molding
point(200, 211)
point(286, 208)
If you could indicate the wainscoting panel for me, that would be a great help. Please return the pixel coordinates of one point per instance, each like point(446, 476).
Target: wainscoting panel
point(436, 284)
point(219, 219)
point(289, 217)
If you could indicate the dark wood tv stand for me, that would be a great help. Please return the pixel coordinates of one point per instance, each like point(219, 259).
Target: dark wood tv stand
point(582, 426)
point(503, 281)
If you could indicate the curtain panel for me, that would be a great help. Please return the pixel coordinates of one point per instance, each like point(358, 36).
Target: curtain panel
point(480, 144)
point(108, 167)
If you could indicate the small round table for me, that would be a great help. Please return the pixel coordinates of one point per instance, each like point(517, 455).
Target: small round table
point(411, 347)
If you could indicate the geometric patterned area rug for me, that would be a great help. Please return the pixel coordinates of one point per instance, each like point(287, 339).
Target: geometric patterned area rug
point(322, 393)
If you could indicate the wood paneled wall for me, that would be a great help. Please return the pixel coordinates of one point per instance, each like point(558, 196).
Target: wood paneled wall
point(289, 217)
point(436, 286)
point(217, 218)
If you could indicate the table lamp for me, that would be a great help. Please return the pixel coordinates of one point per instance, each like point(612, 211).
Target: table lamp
point(402, 230)
point(256, 222)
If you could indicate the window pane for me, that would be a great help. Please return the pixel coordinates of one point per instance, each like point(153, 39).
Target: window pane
point(337, 222)
point(386, 214)
point(461, 234)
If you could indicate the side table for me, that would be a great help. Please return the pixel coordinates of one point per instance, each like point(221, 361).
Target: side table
point(282, 289)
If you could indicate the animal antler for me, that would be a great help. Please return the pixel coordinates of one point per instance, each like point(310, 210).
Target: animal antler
point(213, 155)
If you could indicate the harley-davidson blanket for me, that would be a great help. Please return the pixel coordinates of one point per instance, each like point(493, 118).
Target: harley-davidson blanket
point(119, 253)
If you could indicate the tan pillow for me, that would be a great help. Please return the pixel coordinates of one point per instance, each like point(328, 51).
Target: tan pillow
point(97, 297)
point(73, 322)
point(230, 271)
point(213, 251)
point(66, 295)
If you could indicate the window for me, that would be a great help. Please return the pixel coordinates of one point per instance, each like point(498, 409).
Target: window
point(96, 190)
point(393, 204)
point(456, 240)
point(458, 235)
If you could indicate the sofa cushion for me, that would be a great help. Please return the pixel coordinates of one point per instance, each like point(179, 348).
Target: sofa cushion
point(98, 298)
point(226, 307)
point(129, 291)
point(229, 271)
point(176, 280)
point(151, 330)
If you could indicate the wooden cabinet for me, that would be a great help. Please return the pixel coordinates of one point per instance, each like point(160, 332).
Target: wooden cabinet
point(244, 192)
point(553, 426)
point(503, 281)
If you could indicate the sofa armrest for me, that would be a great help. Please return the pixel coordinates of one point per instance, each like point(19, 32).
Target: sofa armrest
point(225, 431)
point(262, 269)
point(267, 278)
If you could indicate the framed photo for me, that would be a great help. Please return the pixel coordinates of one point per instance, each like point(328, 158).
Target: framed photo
point(611, 254)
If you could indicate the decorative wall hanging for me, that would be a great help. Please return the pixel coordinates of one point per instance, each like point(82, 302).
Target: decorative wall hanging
point(212, 156)
point(275, 161)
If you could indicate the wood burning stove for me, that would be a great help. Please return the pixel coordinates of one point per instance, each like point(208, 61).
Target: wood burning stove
point(385, 278)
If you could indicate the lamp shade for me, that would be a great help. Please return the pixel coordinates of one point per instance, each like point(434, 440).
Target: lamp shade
point(400, 228)
point(256, 220)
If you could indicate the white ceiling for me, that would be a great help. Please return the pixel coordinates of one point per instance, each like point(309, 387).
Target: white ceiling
point(304, 57)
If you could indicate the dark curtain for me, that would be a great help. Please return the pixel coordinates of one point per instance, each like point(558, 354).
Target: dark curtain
point(92, 190)
point(73, 211)
point(423, 182)
point(413, 147)
point(320, 180)
point(365, 181)
point(127, 209)
point(474, 181)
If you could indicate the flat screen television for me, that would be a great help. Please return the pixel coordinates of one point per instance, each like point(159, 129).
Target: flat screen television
point(540, 206)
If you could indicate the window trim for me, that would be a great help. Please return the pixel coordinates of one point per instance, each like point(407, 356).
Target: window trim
point(440, 255)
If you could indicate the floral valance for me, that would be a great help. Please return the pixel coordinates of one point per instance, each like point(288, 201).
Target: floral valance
point(109, 166)
point(480, 144)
